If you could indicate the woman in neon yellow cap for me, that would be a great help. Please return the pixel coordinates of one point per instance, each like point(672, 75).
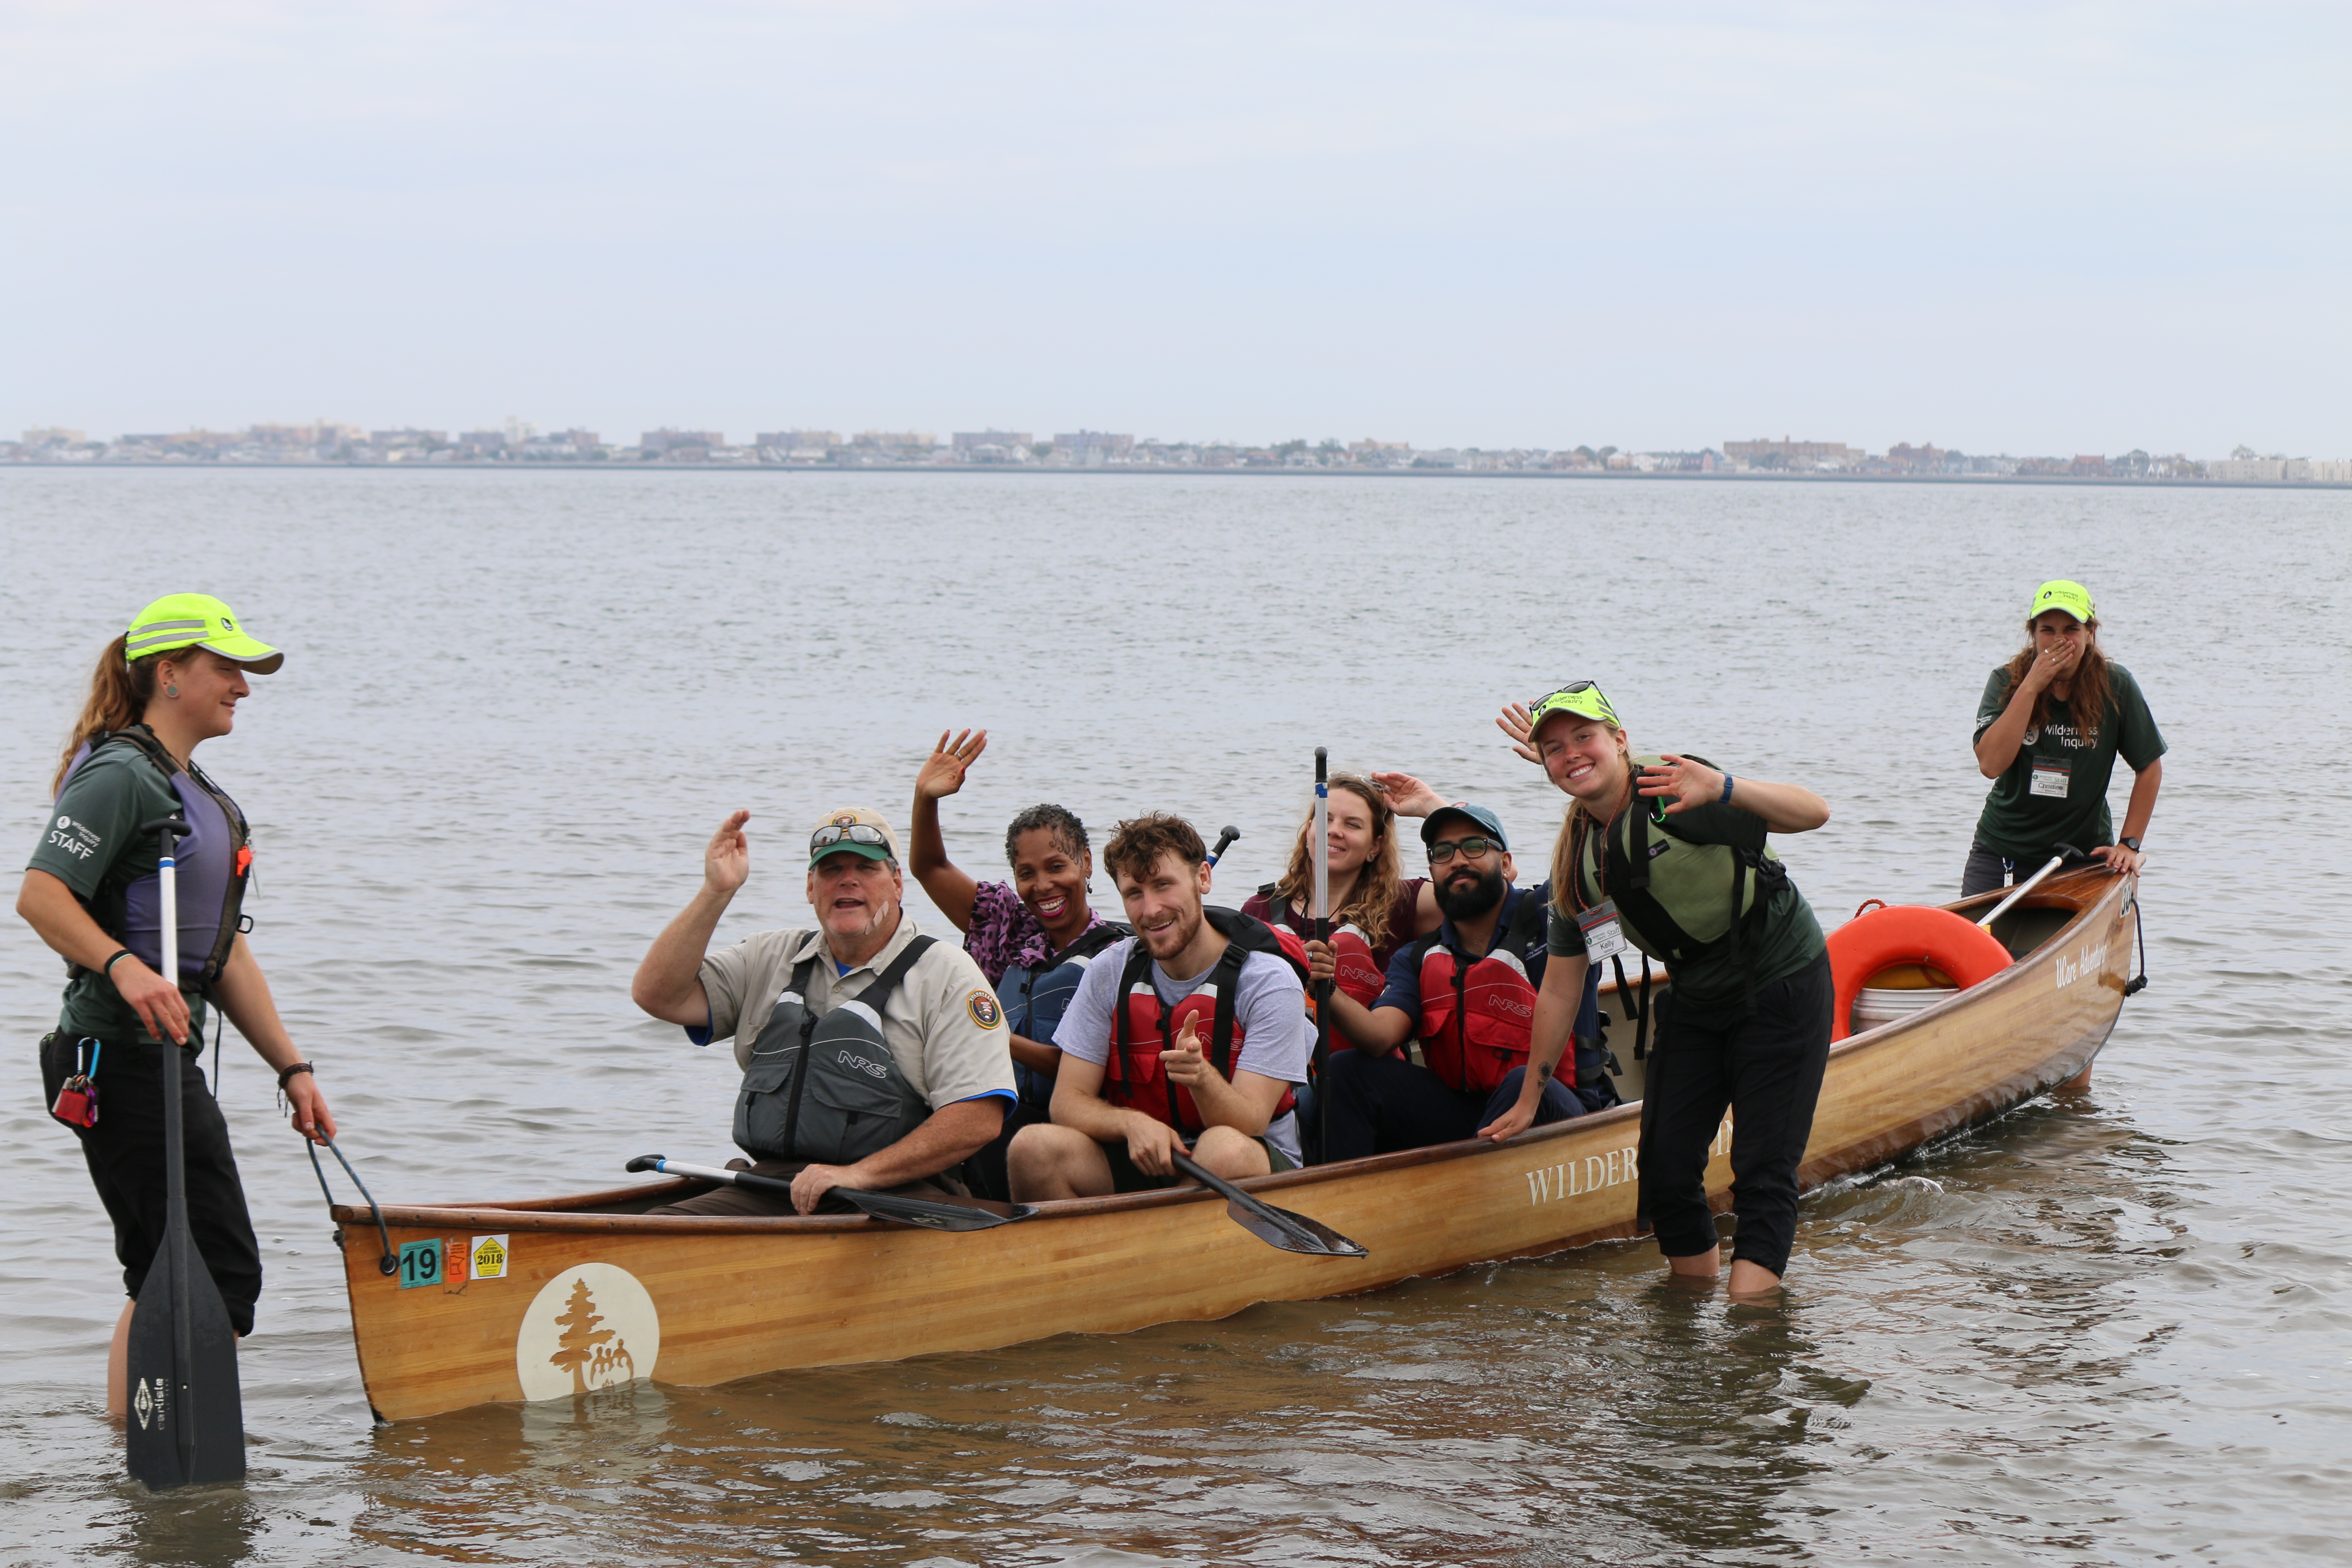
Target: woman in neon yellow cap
point(1668, 855)
point(170, 682)
point(2049, 728)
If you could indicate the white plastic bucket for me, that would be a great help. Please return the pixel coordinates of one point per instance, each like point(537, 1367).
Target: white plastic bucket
point(1873, 1007)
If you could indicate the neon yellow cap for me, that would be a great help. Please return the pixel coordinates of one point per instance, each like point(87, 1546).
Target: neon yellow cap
point(196, 620)
point(1580, 697)
point(2061, 595)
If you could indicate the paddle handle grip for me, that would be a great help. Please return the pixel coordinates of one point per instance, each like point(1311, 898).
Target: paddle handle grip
point(711, 1174)
point(1225, 842)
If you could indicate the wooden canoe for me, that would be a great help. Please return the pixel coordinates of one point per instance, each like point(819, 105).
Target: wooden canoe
point(552, 1297)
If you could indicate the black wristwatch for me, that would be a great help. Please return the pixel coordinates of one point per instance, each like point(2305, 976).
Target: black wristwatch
point(2130, 844)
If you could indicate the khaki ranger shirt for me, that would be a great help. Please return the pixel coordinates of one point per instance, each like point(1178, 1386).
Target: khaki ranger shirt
point(943, 1024)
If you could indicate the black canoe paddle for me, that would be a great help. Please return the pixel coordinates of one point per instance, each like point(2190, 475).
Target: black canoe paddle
point(975, 1214)
point(1225, 842)
point(186, 1420)
point(1275, 1227)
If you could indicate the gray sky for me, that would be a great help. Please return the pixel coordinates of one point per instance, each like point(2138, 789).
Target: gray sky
point(2037, 229)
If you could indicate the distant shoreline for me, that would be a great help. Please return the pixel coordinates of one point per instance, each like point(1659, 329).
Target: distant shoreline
point(1156, 471)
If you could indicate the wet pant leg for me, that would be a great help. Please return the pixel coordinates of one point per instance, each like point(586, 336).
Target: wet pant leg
point(124, 1154)
point(1767, 1070)
point(1383, 1103)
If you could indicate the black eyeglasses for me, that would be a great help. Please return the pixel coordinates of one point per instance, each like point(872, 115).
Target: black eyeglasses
point(1471, 849)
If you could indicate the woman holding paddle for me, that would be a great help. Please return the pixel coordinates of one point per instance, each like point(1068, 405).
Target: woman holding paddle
point(1667, 853)
point(2049, 728)
point(94, 891)
point(1374, 909)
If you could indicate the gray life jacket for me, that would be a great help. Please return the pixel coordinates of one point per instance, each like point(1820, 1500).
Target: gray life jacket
point(824, 1087)
point(210, 868)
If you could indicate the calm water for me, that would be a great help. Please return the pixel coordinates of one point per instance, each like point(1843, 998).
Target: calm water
point(2109, 1328)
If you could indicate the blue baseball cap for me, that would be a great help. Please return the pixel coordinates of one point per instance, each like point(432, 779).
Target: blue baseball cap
point(1489, 823)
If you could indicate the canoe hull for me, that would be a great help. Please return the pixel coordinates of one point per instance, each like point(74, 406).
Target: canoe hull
point(589, 1298)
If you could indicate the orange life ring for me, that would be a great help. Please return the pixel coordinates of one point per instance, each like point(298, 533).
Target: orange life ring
point(1907, 934)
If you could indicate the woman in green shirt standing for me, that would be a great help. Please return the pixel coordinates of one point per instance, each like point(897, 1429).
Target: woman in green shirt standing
point(1668, 855)
point(91, 892)
point(2049, 728)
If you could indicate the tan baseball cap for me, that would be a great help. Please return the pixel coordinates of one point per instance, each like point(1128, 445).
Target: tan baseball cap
point(860, 830)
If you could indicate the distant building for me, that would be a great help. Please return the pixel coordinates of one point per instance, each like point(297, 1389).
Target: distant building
point(54, 436)
point(2092, 467)
point(965, 441)
point(897, 440)
point(799, 440)
point(483, 442)
point(668, 440)
point(1089, 441)
point(2248, 469)
point(1785, 453)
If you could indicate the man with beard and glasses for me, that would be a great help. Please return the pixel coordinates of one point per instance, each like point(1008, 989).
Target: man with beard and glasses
point(1468, 993)
point(1188, 1036)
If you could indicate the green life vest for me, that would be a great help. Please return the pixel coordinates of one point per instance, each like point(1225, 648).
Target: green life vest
point(1674, 898)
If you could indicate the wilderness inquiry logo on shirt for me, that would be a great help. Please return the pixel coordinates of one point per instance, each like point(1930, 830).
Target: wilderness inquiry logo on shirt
point(73, 838)
point(2060, 733)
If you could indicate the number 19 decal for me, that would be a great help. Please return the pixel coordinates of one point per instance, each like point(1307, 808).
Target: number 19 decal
point(420, 1263)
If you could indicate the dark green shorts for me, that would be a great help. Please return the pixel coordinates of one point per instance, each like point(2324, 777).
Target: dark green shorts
point(1126, 1178)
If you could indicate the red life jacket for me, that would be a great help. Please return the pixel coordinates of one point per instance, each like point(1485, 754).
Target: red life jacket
point(1477, 1016)
point(1356, 969)
point(1141, 1028)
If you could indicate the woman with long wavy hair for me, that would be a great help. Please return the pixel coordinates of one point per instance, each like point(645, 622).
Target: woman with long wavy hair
point(2050, 726)
point(1375, 907)
point(92, 893)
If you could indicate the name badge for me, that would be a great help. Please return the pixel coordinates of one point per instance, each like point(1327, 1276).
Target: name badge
point(1603, 938)
point(2050, 776)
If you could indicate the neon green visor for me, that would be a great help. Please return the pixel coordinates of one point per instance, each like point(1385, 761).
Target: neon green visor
point(1580, 697)
point(2061, 595)
point(196, 620)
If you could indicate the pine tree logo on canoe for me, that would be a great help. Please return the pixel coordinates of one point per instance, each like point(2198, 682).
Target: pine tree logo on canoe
point(590, 1327)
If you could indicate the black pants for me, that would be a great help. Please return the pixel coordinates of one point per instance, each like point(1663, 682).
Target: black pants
point(1381, 1104)
point(1768, 1071)
point(1990, 869)
point(125, 1155)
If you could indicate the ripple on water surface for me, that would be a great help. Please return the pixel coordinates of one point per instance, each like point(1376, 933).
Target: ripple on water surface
point(2107, 1328)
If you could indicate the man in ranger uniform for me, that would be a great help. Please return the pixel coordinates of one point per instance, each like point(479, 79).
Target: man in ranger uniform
point(873, 1057)
point(1188, 1036)
point(1469, 992)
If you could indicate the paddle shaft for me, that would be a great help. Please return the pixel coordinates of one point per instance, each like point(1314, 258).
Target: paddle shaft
point(2029, 883)
point(176, 1173)
point(1321, 911)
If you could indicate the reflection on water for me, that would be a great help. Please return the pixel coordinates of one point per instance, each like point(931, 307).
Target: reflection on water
point(2108, 1328)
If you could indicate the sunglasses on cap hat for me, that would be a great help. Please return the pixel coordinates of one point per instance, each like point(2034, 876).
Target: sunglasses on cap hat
point(854, 832)
point(1582, 698)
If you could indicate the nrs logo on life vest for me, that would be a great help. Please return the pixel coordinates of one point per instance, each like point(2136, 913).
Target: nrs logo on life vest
point(859, 1063)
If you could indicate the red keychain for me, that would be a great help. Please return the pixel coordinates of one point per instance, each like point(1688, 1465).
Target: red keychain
point(77, 1103)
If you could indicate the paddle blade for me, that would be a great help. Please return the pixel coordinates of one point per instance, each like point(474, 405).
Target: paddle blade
point(186, 1425)
point(1293, 1231)
point(980, 1214)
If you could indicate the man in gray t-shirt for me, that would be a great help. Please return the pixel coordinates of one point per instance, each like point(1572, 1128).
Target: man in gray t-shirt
point(1188, 1036)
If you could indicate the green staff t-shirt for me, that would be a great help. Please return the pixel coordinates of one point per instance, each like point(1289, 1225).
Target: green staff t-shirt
point(2054, 791)
point(92, 844)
